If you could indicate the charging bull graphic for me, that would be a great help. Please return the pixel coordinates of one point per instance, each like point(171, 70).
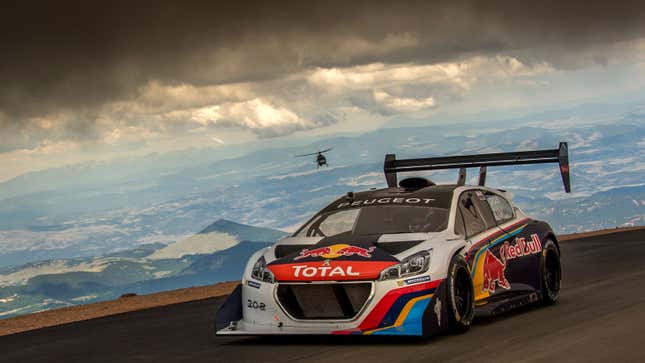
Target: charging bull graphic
point(494, 273)
point(335, 251)
point(316, 252)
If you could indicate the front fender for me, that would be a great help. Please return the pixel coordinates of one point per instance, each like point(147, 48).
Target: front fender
point(442, 255)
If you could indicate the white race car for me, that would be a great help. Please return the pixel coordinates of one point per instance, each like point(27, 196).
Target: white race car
point(413, 259)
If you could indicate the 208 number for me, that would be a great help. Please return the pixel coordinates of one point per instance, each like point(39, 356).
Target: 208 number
point(255, 305)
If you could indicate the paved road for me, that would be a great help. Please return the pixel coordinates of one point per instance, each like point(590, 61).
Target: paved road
point(600, 317)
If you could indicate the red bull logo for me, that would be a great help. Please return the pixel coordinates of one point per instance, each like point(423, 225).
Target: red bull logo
point(316, 252)
point(521, 247)
point(355, 251)
point(335, 251)
point(494, 273)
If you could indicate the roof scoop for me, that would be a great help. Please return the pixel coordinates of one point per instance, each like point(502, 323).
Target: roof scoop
point(415, 183)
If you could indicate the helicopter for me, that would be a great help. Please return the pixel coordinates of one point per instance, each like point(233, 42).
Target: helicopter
point(321, 160)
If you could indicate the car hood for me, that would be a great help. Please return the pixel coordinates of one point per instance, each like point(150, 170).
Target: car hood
point(341, 257)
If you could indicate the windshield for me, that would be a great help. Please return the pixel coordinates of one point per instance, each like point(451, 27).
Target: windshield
point(377, 220)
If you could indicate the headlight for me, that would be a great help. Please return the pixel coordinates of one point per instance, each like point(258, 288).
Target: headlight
point(413, 265)
point(260, 271)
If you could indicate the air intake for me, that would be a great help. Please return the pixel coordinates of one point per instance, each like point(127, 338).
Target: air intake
point(415, 183)
point(324, 301)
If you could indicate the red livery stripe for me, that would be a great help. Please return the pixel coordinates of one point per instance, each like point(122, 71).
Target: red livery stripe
point(496, 234)
point(376, 315)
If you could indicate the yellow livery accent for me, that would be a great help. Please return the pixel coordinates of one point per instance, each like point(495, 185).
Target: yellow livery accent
point(404, 313)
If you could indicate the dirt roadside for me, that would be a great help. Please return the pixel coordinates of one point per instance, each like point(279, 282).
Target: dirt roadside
point(106, 308)
point(602, 232)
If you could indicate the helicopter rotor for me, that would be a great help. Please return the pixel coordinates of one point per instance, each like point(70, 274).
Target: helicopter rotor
point(316, 153)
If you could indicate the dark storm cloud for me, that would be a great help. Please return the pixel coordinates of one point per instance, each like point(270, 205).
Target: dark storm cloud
point(61, 56)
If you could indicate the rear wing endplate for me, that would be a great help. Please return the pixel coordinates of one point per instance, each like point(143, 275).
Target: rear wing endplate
point(392, 166)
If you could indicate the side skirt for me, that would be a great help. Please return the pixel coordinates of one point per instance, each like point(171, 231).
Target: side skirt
point(504, 303)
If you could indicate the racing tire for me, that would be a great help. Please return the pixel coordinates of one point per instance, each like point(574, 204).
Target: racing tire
point(460, 296)
point(551, 273)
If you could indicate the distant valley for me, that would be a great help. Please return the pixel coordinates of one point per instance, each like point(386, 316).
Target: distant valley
point(215, 254)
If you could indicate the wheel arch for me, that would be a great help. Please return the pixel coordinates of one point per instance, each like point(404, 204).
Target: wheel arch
point(546, 233)
point(435, 318)
point(458, 251)
point(551, 236)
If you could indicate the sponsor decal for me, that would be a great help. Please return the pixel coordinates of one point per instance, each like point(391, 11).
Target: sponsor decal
point(329, 270)
point(387, 200)
point(494, 273)
point(494, 268)
point(255, 305)
point(337, 250)
point(322, 271)
point(417, 279)
point(497, 236)
point(521, 247)
point(253, 284)
point(437, 311)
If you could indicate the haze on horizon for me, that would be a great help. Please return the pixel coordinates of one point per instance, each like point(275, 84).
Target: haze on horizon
point(88, 81)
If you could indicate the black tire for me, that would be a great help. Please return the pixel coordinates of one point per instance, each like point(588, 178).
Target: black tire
point(551, 273)
point(460, 295)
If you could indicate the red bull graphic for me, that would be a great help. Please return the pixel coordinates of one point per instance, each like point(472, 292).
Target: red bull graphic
point(335, 251)
point(316, 252)
point(521, 247)
point(497, 236)
point(494, 273)
point(355, 251)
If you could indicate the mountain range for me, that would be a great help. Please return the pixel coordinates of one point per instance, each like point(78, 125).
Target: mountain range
point(217, 253)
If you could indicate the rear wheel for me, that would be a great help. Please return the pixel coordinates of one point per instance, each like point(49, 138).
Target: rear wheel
point(551, 273)
point(461, 297)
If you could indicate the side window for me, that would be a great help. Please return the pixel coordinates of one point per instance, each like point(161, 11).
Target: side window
point(484, 209)
point(501, 208)
point(460, 229)
point(473, 221)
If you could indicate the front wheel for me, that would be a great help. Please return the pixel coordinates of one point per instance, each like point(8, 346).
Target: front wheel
point(551, 273)
point(461, 297)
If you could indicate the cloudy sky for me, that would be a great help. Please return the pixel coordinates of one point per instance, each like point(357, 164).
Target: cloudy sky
point(84, 81)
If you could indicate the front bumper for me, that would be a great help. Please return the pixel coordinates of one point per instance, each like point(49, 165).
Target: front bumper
point(413, 306)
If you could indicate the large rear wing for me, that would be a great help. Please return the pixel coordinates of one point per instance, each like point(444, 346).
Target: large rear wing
point(392, 166)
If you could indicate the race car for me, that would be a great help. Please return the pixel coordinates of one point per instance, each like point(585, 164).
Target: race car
point(411, 259)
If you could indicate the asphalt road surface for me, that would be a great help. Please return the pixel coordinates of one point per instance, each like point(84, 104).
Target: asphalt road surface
point(600, 317)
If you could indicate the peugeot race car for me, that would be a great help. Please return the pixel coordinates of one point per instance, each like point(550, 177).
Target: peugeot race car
point(412, 259)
